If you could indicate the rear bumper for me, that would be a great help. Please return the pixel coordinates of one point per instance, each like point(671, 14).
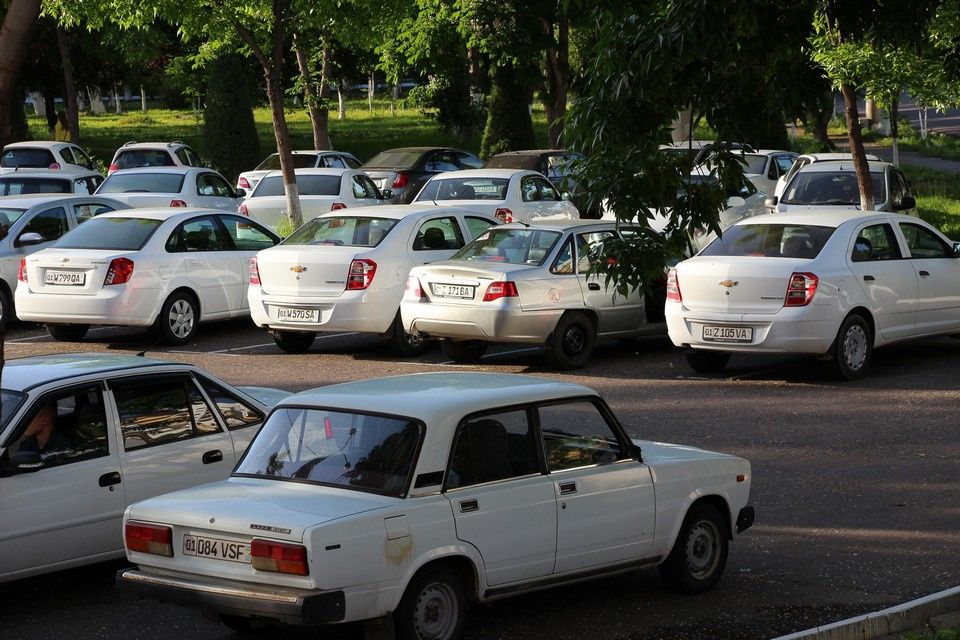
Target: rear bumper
point(498, 324)
point(288, 607)
point(120, 306)
point(359, 311)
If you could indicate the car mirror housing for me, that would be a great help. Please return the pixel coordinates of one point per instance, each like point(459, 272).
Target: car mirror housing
point(907, 202)
point(735, 201)
point(386, 194)
point(771, 202)
point(241, 192)
point(22, 462)
point(29, 238)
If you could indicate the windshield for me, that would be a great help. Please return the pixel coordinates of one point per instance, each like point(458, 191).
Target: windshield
point(307, 186)
point(354, 450)
point(11, 402)
point(342, 230)
point(771, 241)
point(114, 234)
point(831, 188)
point(464, 189)
point(512, 246)
point(121, 182)
point(393, 159)
point(755, 163)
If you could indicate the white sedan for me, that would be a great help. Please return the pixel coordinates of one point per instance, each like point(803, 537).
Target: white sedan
point(511, 195)
point(321, 190)
point(346, 271)
point(172, 187)
point(408, 497)
point(834, 284)
point(302, 159)
point(164, 268)
point(110, 430)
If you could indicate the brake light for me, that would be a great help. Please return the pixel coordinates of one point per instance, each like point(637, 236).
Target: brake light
point(243, 183)
point(254, 272)
point(504, 215)
point(361, 274)
point(500, 290)
point(177, 203)
point(119, 272)
point(336, 206)
point(113, 167)
point(401, 179)
point(801, 290)
point(242, 210)
point(673, 287)
point(22, 272)
point(149, 538)
point(266, 555)
point(413, 290)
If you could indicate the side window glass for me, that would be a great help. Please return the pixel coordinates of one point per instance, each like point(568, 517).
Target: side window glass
point(82, 158)
point(588, 244)
point(334, 161)
point(442, 162)
point(220, 186)
point(564, 260)
point(83, 186)
point(469, 162)
point(369, 187)
point(528, 190)
point(923, 243)
point(154, 413)
point(66, 427)
point(476, 226)
point(200, 234)
point(576, 434)
point(246, 234)
point(86, 211)
point(235, 413)
point(493, 447)
point(50, 224)
point(547, 190)
point(437, 234)
point(358, 190)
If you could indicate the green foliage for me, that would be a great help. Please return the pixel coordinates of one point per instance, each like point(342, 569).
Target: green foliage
point(509, 125)
point(229, 128)
point(448, 100)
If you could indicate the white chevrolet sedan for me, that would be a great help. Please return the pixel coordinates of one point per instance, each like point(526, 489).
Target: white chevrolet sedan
point(524, 283)
point(169, 269)
point(172, 187)
point(511, 195)
point(84, 435)
point(346, 271)
point(410, 496)
point(834, 284)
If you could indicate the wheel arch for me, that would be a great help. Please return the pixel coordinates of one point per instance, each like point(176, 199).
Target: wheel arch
point(867, 316)
point(719, 502)
point(592, 315)
point(462, 566)
point(188, 291)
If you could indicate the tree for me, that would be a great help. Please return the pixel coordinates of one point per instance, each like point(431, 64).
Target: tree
point(14, 38)
point(232, 141)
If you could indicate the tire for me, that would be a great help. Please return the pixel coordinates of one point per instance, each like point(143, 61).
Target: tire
point(852, 349)
point(707, 361)
point(572, 342)
point(464, 352)
point(177, 322)
point(404, 344)
point(699, 555)
point(294, 341)
point(433, 607)
point(67, 332)
point(7, 312)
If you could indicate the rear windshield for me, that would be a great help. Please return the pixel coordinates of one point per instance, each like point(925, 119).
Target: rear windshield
point(514, 246)
point(113, 234)
point(13, 186)
point(142, 183)
point(464, 189)
point(755, 163)
point(393, 160)
point(306, 185)
point(771, 241)
point(300, 161)
point(27, 158)
point(831, 188)
point(531, 163)
point(347, 230)
point(143, 158)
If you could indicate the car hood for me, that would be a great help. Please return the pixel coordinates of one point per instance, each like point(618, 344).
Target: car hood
point(654, 452)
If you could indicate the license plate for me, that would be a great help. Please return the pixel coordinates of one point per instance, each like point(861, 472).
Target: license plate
point(218, 549)
point(65, 277)
point(727, 334)
point(292, 314)
point(453, 291)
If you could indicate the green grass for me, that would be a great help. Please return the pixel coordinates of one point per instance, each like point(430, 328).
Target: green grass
point(938, 198)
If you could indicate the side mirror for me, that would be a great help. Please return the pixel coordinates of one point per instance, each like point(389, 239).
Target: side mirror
point(907, 202)
point(29, 239)
point(956, 249)
point(565, 196)
point(241, 192)
point(387, 194)
point(735, 201)
point(771, 202)
point(22, 462)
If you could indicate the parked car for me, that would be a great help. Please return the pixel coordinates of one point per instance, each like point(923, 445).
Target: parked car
point(765, 166)
point(510, 195)
point(35, 181)
point(301, 160)
point(124, 428)
point(164, 268)
point(321, 190)
point(528, 284)
point(346, 271)
point(471, 487)
point(811, 158)
point(559, 167)
point(44, 154)
point(701, 150)
point(172, 187)
point(835, 284)
point(834, 185)
point(133, 155)
point(403, 171)
point(30, 223)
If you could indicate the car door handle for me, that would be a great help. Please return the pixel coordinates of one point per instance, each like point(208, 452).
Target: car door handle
point(924, 272)
point(566, 488)
point(109, 479)
point(469, 505)
point(868, 279)
point(213, 456)
point(593, 286)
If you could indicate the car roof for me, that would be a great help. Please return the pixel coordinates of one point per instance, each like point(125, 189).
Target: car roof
point(484, 173)
point(25, 373)
point(166, 169)
point(434, 397)
point(396, 211)
point(534, 152)
point(832, 156)
point(313, 171)
point(163, 213)
point(68, 173)
point(825, 218)
point(133, 144)
point(43, 144)
point(32, 199)
point(841, 166)
point(561, 225)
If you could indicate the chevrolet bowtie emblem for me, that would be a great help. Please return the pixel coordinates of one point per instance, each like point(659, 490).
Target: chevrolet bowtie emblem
point(727, 283)
point(298, 269)
point(64, 259)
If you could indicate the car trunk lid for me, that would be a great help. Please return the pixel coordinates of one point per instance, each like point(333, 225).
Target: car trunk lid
point(76, 272)
point(736, 284)
point(301, 270)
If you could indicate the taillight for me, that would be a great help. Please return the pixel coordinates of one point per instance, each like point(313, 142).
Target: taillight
point(801, 289)
point(113, 167)
point(281, 557)
point(673, 287)
point(242, 210)
point(500, 290)
point(149, 538)
point(54, 166)
point(361, 274)
point(254, 272)
point(413, 290)
point(401, 179)
point(177, 203)
point(119, 272)
point(243, 183)
point(22, 272)
point(336, 206)
point(504, 215)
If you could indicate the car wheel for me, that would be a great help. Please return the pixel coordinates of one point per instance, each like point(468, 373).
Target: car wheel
point(707, 361)
point(464, 352)
point(177, 321)
point(699, 555)
point(433, 607)
point(6, 308)
point(67, 332)
point(403, 343)
point(571, 344)
point(294, 341)
point(852, 349)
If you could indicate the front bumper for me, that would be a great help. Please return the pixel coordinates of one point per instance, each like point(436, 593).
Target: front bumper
point(745, 519)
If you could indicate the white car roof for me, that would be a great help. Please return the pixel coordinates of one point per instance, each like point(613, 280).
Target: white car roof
point(395, 211)
point(32, 199)
point(69, 173)
point(163, 213)
point(153, 145)
point(165, 169)
point(484, 173)
point(832, 156)
point(562, 224)
point(44, 144)
point(844, 166)
point(22, 374)
point(313, 171)
point(825, 218)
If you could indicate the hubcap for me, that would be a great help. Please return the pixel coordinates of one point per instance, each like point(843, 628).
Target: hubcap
point(573, 340)
point(181, 318)
point(703, 549)
point(435, 616)
point(855, 348)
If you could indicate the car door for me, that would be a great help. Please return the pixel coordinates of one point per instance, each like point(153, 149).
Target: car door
point(245, 238)
point(938, 277)
point(69, 509)
point(888, 280)
point(617, 312)
point(213, 192)
point(209, 267)
point(502, 503)
point(606, 508)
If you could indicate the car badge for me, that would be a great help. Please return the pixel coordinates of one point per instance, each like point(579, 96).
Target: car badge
point(298, 269)
point(64, 259)
point(728, 283)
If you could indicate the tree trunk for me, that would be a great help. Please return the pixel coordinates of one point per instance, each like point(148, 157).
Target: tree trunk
point(557, 81)
point(143, 99)
point(821, 121)
point(895, 129)
point(341, 100)
point(14, 40)
point(856, 146)
point(69, 86)
point(371, 86)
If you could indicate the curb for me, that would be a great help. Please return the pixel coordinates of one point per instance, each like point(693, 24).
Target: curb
point(903, 617)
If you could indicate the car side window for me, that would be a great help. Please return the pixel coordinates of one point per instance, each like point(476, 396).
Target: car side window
point(209, 184)
point(246, 234)
point(77, 427)
point(528, 189)
point(923, 243)
point(199, 234)
point(50, 224)
point(493, 447)
point(437, 234)
point(159, 412)
point(547, 190)
point(876, 242)
point(576, 434)
point(84, 210)
point(476, 226)
point(363, 187)
point(188, 157)
point(442, 161)
point(235, 412)
point(468, 161)
point(563, 263)
point(334, 162)
point(81, 157)
point(588, 244)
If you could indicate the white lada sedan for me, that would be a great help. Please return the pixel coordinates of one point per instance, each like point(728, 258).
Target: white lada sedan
point(346, 271)
point(409, 497)
point(833, 284)
point(525, 284)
